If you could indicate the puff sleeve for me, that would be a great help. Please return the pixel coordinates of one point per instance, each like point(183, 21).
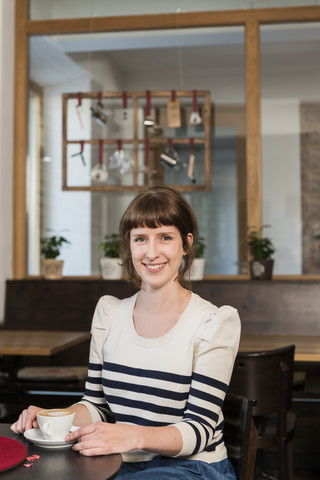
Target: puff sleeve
point(215, 348)
point(93, 398)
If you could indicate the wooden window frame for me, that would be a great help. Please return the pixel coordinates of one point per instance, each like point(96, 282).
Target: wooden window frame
point(250, 19)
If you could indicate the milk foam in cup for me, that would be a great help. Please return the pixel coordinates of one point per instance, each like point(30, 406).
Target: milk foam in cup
point(55, 423)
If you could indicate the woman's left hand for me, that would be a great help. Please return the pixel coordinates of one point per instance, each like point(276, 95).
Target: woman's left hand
point(104, 438)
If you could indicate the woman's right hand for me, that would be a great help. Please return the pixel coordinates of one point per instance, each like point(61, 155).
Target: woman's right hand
point(26, 420)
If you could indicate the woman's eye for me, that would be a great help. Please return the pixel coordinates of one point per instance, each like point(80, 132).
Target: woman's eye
point(139, 239)
point(167, 237)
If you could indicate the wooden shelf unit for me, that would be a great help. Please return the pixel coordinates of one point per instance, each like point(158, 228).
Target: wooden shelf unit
point(137, 141)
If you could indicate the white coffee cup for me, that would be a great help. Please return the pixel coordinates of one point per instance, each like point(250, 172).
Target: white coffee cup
point(55, 423)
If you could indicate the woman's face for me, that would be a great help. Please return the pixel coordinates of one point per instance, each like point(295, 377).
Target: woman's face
point(157, 254)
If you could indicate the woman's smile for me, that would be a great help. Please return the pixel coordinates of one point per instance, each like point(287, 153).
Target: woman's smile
point(155, 267)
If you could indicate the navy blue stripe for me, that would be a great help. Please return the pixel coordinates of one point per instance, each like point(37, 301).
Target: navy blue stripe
point(121, 417)
point(145, 389)
point(95, 380)
point(198, 438)
point(212, 446)
point(220, 426)
point(200, 420)
point(141, 372)
point(203, 412)
point(207, 434)
point(95, 366)
point(93, 393)
point(206, 397)
point(149, 407)
point(212, 382)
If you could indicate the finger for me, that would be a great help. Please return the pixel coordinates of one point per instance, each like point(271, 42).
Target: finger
point(89, 449)
point(90, 452)
point(18, 425)
point(35, 424)
point(80, 432)
point(29, 418)
point(13, 427)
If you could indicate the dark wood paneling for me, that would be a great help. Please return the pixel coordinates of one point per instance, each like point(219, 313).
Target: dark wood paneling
point(269, 307)
point(57, 304)
point(265, 307)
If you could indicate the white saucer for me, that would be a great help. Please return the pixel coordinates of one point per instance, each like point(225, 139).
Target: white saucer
point(35, 436)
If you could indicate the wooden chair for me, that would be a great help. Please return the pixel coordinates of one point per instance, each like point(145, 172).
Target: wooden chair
point(268, 378)
point(240, 435)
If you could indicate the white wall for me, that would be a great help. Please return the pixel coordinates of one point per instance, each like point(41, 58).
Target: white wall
point(65, 213)
point(6, 142)
point(281, 189)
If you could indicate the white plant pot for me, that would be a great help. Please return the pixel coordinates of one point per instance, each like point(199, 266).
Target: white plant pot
point(111, 268)
point(52, 268)
point(197, 269)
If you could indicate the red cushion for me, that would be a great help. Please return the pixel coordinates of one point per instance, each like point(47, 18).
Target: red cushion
point(12, 453)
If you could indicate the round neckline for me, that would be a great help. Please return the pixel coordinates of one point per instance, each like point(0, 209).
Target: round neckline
point(157, 341)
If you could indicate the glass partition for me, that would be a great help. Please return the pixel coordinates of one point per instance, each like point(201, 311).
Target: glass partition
point(290, 79)
point(208, 59)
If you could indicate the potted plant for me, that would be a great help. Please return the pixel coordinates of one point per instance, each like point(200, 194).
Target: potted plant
point(261, 250)
point(111, 267)
point(198, 264)
point(50, 249)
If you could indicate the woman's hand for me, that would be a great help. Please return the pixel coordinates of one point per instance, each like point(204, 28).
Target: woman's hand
point(105, 438)
point(26, 420)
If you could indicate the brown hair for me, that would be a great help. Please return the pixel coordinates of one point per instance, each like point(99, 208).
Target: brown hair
point(152, 208)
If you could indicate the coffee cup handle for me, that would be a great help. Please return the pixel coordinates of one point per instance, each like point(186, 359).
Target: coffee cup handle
point(46, 428)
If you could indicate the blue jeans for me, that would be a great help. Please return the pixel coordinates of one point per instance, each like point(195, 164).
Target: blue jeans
point(163, 468)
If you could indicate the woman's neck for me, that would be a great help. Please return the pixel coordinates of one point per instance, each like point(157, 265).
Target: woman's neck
point(156, 312)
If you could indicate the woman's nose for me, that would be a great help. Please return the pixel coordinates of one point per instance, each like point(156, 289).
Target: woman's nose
point(152, 250)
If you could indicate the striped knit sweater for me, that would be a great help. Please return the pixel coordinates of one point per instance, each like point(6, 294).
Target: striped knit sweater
point(180, 378)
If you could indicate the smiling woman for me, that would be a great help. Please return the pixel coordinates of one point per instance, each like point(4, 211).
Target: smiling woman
point(161, 360)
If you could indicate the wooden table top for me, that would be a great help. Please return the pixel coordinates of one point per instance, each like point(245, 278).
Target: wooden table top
point(60, 464)
point(38, 342)
point(307, 347)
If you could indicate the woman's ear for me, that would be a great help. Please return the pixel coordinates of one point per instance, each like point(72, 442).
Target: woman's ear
point(189, 241)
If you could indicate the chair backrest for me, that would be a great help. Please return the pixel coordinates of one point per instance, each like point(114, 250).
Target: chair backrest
point(266, 377)
point(240, 435)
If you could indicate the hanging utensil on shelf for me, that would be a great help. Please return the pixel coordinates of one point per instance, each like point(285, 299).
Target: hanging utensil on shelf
point(149, 120)
point(79, 109)
point(173, 111)
point(195, 118)
point(99, 173)
point(99, 103)
point(124, 106)
point(80, 153)
point(169, 158)
point(146, 170)
point(119, 160)
point(116, 159)
point(146, 154)
point(156, 130)
point(97, 112)
point(191, 162)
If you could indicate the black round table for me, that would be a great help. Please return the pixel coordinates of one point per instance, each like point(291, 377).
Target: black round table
point(64, 464)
